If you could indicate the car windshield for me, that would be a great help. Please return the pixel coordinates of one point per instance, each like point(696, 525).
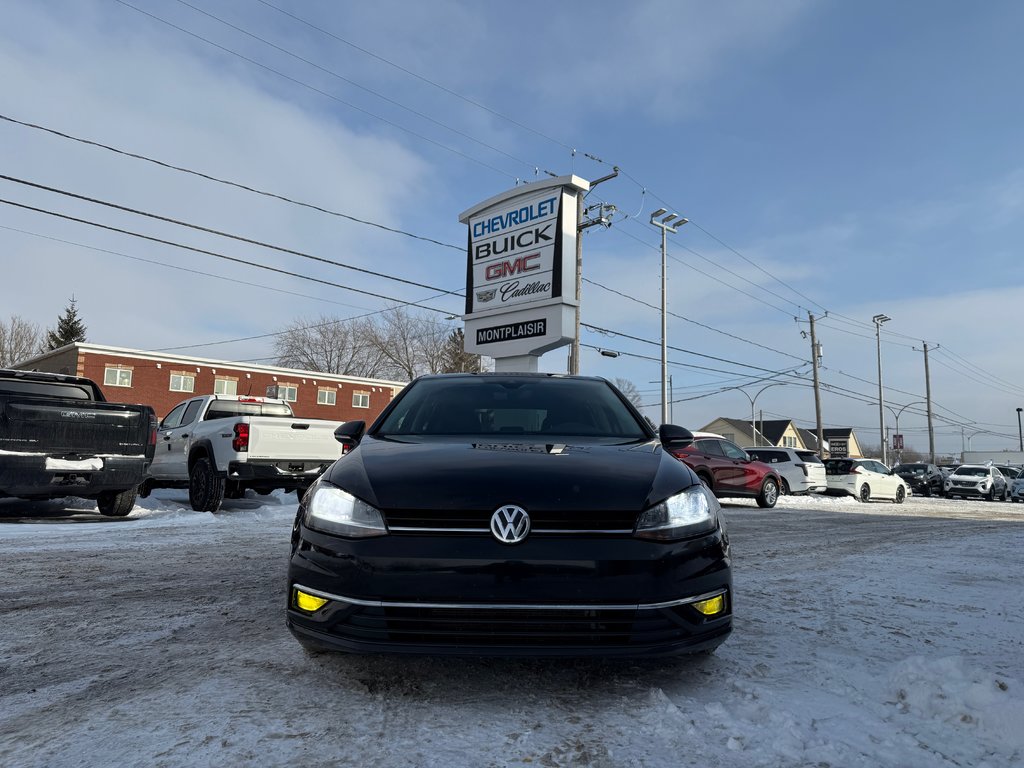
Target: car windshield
point(972, 471)
point(911, 469)
point(511, 405)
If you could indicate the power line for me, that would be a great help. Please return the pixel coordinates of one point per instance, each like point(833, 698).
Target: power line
point(228, 235)
point(353, 83)
point(234, 280)
point(399, 67)
point(214, 254)
point(228, 183)
point(318, 90)
point(693, 322)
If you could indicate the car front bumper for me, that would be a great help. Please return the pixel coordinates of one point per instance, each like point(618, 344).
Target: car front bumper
point(548, 596)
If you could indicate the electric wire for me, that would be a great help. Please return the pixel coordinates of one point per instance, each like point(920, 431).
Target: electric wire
point(227, 182)
point(320, 91)
point(353, 83)
point(214, 254)
point(228, 235)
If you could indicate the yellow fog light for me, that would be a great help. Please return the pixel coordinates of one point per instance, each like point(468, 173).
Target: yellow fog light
point(712, 606)
point(307, 602)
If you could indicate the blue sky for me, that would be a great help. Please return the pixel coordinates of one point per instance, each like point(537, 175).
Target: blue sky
point(856, 158)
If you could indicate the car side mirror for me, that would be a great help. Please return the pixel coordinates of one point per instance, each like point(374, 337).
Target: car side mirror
point(675, 437)
point(350, 433)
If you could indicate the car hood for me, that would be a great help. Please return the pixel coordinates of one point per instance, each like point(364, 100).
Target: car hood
point(481, 474)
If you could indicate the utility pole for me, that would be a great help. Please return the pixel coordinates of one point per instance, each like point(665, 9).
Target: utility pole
point(928, 400)
point(878, 320)
point(815, 357)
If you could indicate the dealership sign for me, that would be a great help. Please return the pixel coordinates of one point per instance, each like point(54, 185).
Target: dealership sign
point(520, 271)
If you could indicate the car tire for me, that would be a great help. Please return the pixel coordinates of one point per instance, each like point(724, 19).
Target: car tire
point(784, 490)
point(116, 503)
point(864, 494)
point(928, 491)
point(145, 488)
point(901, 495)
point(769, 494)
point(205, 487)
point(991, 495)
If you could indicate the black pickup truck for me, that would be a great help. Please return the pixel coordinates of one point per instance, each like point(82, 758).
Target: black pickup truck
point(60, 437)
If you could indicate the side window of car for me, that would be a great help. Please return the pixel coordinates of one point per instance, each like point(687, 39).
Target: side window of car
point(732, 451)
point(173, 419)
point(709, 447)
point(190, 412)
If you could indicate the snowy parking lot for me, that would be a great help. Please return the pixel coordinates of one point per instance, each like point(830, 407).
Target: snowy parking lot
point(865, 635)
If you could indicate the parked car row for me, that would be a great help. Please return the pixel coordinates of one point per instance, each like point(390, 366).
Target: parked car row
point(764, 473)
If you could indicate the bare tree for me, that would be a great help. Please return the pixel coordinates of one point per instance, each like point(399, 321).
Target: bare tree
point(395, 344)
point(19, 339)
point(331, 345)
point(628, 388)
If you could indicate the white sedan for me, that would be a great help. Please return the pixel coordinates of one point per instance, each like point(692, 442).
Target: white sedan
point(864, 479)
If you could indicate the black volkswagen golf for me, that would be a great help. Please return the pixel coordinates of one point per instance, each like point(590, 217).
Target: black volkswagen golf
point(510, 514)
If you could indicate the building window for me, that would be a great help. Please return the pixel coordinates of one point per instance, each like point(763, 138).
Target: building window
point(288, 392)
point(789, 442)
point(183, 382)
point(117, 377)
point(360, 399)
point(326, 397)
point(729, 436)
point(225, 387)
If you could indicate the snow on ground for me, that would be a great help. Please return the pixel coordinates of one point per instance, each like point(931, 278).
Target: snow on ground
point(865, 635)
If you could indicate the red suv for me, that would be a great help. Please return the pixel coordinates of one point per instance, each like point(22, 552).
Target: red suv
point(728, 471)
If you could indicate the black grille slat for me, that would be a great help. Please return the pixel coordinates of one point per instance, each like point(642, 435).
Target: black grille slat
point(514, 626)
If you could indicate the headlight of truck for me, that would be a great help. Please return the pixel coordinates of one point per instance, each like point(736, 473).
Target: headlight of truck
point(693, 511)
point(333, 510)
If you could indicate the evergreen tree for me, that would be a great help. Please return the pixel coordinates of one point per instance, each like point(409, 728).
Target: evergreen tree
point(455, 359)
point(70, 328)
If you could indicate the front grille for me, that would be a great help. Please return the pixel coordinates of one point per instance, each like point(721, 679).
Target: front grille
point(555, 520)
point(599, 628)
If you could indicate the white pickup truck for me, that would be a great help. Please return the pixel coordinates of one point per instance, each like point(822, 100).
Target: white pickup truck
point(220, 445)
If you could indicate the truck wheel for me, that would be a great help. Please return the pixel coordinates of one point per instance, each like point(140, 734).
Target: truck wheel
point(205, 487)
point(145, 489)
point(116, 503)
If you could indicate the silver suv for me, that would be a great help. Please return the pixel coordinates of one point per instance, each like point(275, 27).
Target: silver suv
point(977, 480)
point(802, 471)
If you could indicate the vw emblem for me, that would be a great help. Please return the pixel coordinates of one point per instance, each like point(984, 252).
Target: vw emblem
point(510, 524)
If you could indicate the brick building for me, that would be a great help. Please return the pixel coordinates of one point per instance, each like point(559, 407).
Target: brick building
point(163, 380)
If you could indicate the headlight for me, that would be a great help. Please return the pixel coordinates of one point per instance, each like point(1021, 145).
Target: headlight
point(332, 510)
point(693, 511)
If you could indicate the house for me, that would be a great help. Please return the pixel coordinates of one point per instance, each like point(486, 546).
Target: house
point(162, 380)
point(780, 432)
point(783, 433)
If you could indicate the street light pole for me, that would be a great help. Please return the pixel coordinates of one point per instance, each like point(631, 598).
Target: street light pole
point(878, 320)
point(753, 421)
point(666, 224)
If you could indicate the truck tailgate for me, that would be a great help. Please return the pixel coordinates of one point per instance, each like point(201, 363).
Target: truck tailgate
point(277, 438)
point(73, 427)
